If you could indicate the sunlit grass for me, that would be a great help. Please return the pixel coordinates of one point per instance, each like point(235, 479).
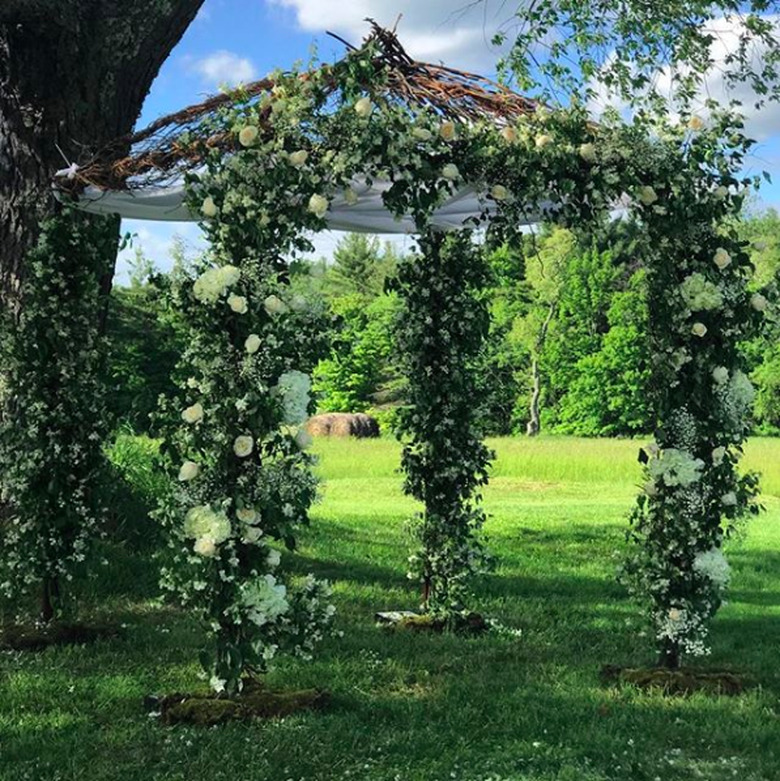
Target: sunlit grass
point(430, 708)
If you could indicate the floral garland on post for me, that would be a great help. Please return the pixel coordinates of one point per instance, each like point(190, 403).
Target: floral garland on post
point(440, 332)
point(244, 476)
point(52, 412)
point(701, 309)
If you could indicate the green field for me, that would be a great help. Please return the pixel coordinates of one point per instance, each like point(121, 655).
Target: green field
point(420, 707)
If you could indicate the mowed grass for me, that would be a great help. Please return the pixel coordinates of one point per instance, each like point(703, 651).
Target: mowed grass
point(424, 708)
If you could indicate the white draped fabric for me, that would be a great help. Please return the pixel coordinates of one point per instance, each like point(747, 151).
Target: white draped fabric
point(368, 215)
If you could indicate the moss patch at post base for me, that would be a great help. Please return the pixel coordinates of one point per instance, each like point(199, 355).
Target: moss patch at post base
point(685, 680)
point(32, 637)
point(467, 623)
point(254, 702)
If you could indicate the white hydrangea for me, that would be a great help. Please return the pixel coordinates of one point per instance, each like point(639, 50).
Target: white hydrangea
point(202, 522)
point(543, 140)
point(499, 193)
point(299, 158)
point(588, 152)
point(293, 387)
point(208, 208)
point(720, 374)
point(211, 284)
point(264, 600)
point(712, 564)
point(699, 293)
point(364, 107)
point(675, 468)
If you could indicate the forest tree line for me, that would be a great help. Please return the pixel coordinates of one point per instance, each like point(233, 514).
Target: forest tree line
point(567, 351)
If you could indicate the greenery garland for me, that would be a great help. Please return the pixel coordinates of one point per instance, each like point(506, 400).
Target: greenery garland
point(441, 328)
point(52, 413)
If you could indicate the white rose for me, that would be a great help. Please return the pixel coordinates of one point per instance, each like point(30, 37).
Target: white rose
point(252, 534)
point(721, 258)
point(188, 471)
point(246, 514)
point(350, 196)
point(209, 208)
point(695, 123)
point(509, 134)
point(363, 107)
point(720, 374)
point(721, 192)
point(729, 499)
point(647, 195)
point(422, 134)
point(450, 171)
point(252, 343)
point(718, 454)
point(273, 559)
point(248, 135)
point(193, 414)
point(243, 446)
point(205, 546)
point(447, 130)
point(318, 205)
point(588, 153)
point(274, 305)
point(299, 158)
point(699, 329)
point(237, 304)
point(759, 302)
point(543, 140)
point(499, 192)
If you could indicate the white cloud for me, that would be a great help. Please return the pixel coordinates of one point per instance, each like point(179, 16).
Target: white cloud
point(223, 67)
point(156, 241)
point(326, 241)
point(759, 123)
point(457, 33)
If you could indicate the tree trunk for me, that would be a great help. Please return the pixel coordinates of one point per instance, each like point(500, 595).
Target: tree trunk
point(533, 427)
point(73, 78)
point(669, 656)
point(534, 424)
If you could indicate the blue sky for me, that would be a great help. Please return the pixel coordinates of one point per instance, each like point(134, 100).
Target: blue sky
point(241, 40)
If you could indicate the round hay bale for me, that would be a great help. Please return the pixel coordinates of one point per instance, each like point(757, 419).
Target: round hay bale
point(343, 424)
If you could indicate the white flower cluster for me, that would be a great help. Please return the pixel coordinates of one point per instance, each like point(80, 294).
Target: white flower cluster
point(211, 284)
point(712, 564)
point(700, 294)
point(293, 388)
point(264, 599)
point(675, 467)
point(208, 528)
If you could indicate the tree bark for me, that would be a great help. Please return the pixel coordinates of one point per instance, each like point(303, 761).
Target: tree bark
point(73, 77)
point(534, 425)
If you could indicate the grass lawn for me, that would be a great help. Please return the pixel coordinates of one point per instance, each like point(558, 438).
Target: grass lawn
point(429, 708)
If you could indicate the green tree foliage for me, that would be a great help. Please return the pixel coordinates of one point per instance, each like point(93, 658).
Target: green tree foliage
point(145, 345)
point(360, 370)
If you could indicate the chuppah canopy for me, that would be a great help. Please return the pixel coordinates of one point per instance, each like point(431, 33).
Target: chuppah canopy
point(367, 215)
